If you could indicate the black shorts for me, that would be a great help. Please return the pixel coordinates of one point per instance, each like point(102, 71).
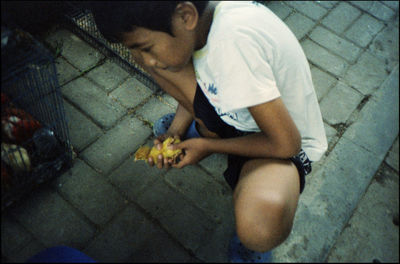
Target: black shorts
point(235, 164)
point(206, 112)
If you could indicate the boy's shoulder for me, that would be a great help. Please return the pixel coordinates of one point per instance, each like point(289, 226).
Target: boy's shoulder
point(233, 16)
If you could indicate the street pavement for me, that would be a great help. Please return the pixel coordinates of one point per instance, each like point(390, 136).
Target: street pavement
point(117, 210)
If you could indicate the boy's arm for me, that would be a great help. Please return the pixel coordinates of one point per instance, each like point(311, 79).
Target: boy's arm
point(279, 138)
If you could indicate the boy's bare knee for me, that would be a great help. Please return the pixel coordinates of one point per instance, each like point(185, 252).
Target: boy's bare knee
point(264, 225)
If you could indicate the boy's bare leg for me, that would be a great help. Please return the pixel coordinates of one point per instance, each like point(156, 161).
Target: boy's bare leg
point(265, 202)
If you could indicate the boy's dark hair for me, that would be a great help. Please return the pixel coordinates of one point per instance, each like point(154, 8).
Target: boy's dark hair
point(116, 17)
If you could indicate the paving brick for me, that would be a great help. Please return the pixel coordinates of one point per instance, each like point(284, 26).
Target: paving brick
point(91, 194)
point(114, 147)
point(299, 24)
point(31, 249)
point(75, 50)
point(392, 4)
point(381, 11)
point(184, 221)
point(202, 190)
point(341, 17)
point(327, 4)
point(328, 202)
point(335, 44)
point(13, 236)
point(330, 132)
point(154, 109)
point(93, 101)
point(280, 9)
point(322, 81)
point(215, 250)
point(216, 164)
point(364, 30)
point(108, 76)
point(308, 8)
point(367, 74)
point(392, 158)
point(322, 58)
point(169, 100)
point(363, 5)
point(52, 220)
point(131, 92)
point(65, 71)
point(378, 123)
point(375, 8)
point(339, 103)
point(130, 237)
point(386, 45)
point(82, 131)
point(386, 90)
point(131, 178)
point(372, 220)
point(159, 247)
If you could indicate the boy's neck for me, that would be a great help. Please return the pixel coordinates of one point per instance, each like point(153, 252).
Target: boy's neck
point(205, 22)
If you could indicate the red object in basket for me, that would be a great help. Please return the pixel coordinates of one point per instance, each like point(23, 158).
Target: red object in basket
point(17, 125)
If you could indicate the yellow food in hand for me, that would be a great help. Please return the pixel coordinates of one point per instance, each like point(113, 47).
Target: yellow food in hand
point(144, 152)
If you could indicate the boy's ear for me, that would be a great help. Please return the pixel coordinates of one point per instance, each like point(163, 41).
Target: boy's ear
point(186, 13)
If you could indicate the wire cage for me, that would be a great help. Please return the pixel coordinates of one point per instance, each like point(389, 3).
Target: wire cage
point(81, 21)
point(35, 144)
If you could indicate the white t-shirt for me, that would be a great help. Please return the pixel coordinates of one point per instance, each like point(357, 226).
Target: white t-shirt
point(251, 57)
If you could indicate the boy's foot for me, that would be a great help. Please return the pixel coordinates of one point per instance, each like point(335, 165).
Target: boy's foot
point(161, 126)
point(238, 253)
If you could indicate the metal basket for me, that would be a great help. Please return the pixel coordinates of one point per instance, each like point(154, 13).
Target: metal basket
point(35, 141)
point(81, 22)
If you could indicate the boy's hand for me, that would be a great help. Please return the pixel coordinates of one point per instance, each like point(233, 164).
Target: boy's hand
point(161, 162)
point(194, 150)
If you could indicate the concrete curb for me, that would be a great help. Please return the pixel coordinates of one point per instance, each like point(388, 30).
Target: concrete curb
point(336, 188)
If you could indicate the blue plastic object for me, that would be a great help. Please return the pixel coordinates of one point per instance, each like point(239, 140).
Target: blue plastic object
point(162, 125)
point(60, 254)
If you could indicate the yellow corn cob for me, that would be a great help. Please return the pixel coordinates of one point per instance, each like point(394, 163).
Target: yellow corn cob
point(144, 152)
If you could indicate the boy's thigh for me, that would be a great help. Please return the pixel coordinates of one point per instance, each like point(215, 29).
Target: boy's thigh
point(269, 182)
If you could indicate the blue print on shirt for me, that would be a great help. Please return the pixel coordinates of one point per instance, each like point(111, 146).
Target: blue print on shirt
point(232, 116)
point(212, 89)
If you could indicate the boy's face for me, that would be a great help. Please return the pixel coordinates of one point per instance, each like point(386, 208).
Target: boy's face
point(157, 49)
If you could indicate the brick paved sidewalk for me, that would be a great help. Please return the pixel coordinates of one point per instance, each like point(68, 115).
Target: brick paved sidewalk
point(114, 209)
